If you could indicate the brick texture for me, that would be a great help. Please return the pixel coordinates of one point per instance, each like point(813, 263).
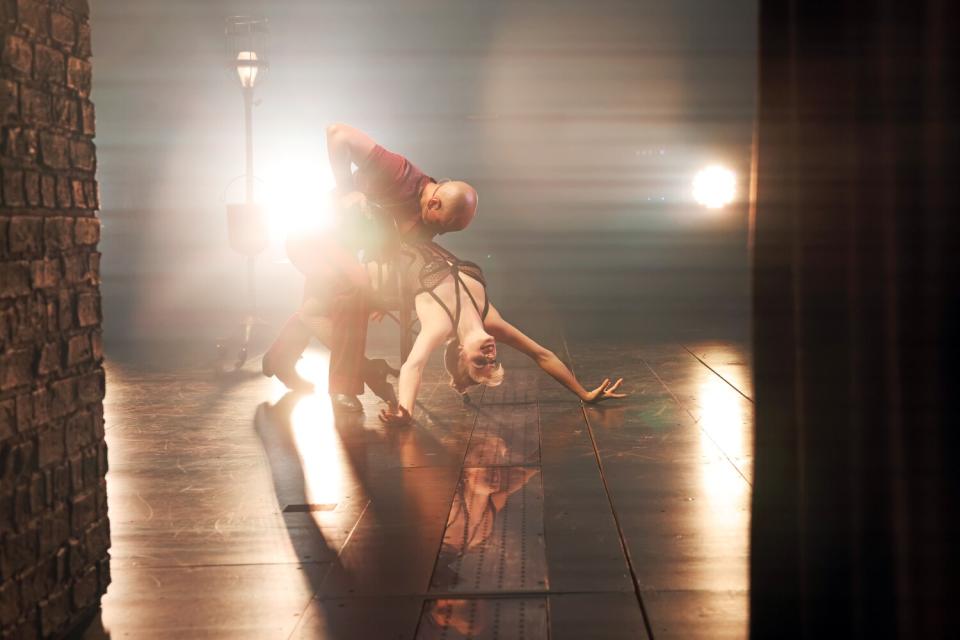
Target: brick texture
point(54, 533)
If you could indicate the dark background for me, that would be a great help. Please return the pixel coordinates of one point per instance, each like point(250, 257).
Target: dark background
point(581, 124)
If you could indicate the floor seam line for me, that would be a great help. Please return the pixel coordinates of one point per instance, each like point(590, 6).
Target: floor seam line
point(228, 564)
point(613, 510)
point(697, 422)
point(732, 386)
point(313, 596)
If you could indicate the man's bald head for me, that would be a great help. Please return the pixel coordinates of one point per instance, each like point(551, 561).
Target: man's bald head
point(451, 207)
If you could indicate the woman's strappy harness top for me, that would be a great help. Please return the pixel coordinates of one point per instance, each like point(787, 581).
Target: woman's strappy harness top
point(430, 264)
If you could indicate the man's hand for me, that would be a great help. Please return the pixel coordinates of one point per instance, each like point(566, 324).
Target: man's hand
point(353, 201)
point(606, 391)
point(395, 416)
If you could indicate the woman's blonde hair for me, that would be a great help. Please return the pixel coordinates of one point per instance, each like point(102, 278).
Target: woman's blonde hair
point(460, 376)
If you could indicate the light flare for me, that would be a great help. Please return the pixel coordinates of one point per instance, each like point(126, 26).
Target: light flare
point(714, 187)
point(298, 197)
point(722, 430)
point(318, 444)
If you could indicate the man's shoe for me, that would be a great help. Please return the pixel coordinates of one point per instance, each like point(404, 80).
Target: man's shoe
point(345, 403)
point(287, 375)
point(375, 376)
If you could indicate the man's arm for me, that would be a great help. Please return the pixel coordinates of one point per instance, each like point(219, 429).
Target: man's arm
point(347, 146)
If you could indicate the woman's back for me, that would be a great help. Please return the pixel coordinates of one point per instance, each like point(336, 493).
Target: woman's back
point(434, 275)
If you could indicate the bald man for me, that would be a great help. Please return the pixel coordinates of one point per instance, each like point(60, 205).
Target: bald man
point(407, 201)
point(417, 203)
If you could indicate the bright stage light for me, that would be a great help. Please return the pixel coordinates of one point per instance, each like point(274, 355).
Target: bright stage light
point(714, 186)
point(298, 197)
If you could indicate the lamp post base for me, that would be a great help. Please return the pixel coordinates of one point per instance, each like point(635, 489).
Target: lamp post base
point(245, 343)
point(247, 325)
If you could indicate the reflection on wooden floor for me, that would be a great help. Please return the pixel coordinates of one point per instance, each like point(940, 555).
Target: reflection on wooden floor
point(240, 511)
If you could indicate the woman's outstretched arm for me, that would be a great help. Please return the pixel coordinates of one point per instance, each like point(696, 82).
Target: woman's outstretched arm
point(547, 360)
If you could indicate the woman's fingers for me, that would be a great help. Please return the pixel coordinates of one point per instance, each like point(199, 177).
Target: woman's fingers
point(606, 391)
point(392, 415)
point(611, 390)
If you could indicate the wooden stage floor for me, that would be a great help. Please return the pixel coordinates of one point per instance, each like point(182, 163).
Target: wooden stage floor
point(239, 511)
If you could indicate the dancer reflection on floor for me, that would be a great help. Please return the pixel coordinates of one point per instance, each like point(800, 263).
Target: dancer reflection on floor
point(480, 548)
point(452, 307)
point(482, 494)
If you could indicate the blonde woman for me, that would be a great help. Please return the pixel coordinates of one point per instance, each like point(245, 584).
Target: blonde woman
point(453, 308)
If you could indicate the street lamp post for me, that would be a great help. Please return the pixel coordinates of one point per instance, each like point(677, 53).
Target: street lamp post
point(247, 231)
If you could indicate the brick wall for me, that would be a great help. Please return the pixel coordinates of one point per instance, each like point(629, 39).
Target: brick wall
point(55, 535)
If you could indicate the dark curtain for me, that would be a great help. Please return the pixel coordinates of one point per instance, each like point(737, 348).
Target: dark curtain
point(856, 284)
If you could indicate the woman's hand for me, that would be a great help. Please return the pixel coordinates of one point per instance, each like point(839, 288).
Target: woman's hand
point(395, 416)
point(606, 391)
